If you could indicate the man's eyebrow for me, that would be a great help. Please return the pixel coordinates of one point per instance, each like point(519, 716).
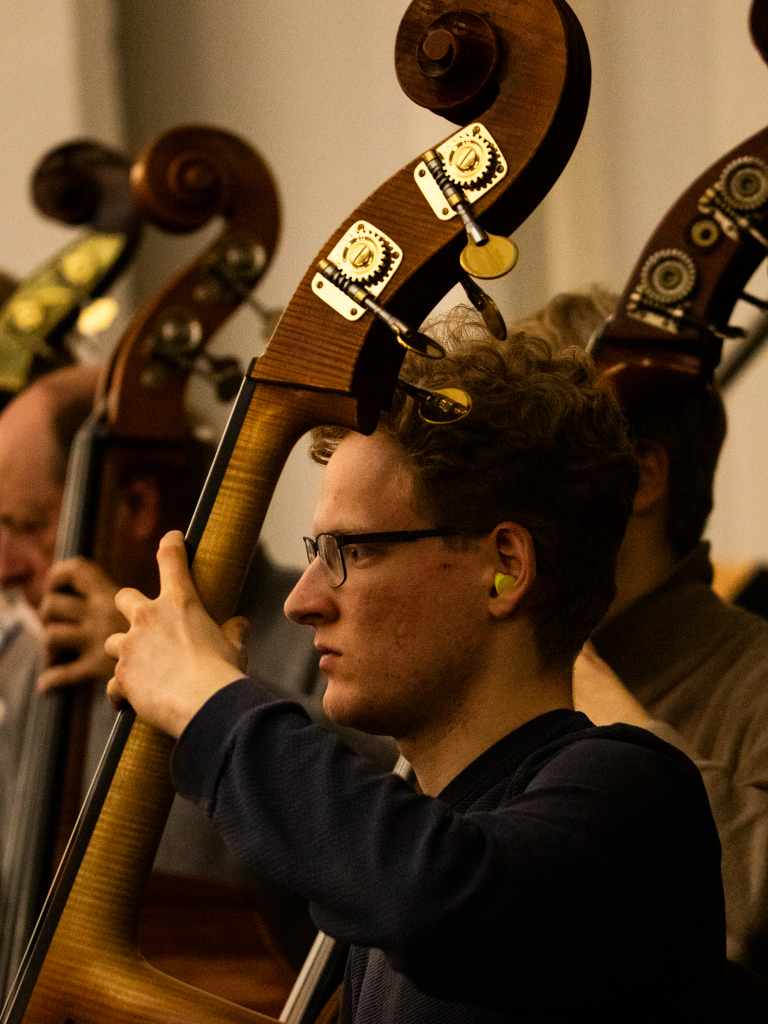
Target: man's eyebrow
point(33, 513)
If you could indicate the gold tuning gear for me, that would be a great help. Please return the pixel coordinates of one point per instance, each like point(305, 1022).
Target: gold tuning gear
point(486, 256)
point(413, 341)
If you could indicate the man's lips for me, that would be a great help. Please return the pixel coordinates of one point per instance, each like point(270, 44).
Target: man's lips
point(327, 656)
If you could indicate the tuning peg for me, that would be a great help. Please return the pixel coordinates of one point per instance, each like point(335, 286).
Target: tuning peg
point(486, 256)
point(226, 374)
point(447, 405)
point(494, 259)
point(410, 339)
point(97, 316)
point(485, 306)
point(236, 267)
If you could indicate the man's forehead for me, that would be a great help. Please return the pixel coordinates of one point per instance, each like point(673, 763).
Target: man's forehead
point(365, 487)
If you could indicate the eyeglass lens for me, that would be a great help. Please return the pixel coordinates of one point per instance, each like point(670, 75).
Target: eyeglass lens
point(327, 548)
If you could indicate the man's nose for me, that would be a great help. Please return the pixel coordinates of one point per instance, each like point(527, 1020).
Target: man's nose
point(15, 565)
point(312, 600)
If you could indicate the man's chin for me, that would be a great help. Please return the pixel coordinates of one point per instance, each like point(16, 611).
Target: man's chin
point(350, 711)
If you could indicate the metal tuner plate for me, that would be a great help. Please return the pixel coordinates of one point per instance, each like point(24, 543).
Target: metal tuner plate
point(366, 256)
point(472, 160)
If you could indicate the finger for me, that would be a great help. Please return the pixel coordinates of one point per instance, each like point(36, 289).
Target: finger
point(57, 607)
point(78, 573)
point(173, 564)
point(128, 600)
point(115, 695)
point(112, 645)
point(62, 634)
point(72, 674)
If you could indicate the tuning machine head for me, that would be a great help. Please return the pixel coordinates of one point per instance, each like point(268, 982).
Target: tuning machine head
point(495, 258)
point(471, 161)
point(485, 306)
point(420, 344)
point(446, 405)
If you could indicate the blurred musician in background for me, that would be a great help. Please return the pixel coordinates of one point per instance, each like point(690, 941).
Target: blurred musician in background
point(671, 656)
point(53, 632)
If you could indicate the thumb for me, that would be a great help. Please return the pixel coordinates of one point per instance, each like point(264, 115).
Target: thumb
point(236, 630)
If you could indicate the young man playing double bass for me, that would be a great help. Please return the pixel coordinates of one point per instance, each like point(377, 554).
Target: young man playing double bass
point(545, 870)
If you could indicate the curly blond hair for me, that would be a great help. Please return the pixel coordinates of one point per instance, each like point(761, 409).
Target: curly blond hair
point(544, 446)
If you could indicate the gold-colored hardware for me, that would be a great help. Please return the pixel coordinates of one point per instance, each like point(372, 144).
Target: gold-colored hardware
point(744, 183)
point(494, 259)
point(33, 309)
point(90, 258)
point(27, 314)
point(450, 405)
point(361, 254)
point(78, 268)
point(447, 405)
point(364, 255)
point(705, 232)
point(47, 299)
point(485, 306)
point(468, 162)
point(654, 317)
point(470, 159)
point(421, 345)
point(737, 198)
point(668, 276)
point(98, 316)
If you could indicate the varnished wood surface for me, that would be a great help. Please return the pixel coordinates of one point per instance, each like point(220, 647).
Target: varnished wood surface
point(186, 178)
point(209, 934)
point(93, 971)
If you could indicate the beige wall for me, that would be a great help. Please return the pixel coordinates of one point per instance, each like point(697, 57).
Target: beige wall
point(310, 84)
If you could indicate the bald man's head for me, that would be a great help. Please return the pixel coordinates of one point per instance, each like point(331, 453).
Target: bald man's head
point(36, 431)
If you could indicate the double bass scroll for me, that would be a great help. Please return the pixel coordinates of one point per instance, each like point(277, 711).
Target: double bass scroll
point(139, 425)
point(80, 182)
point(322, 366)
point(674, 314)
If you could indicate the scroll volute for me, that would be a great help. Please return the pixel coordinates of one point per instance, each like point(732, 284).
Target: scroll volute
point(524, 70)
point(183, 180)
point(674, 313)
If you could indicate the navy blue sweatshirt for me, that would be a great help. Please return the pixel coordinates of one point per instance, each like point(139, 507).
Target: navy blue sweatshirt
point(569, 873)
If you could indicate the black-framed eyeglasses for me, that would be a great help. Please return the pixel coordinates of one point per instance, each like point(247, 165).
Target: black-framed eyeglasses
point(329, 547)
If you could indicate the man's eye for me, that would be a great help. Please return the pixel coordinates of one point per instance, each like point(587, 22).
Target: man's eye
point(356, 553)
point(28, 528)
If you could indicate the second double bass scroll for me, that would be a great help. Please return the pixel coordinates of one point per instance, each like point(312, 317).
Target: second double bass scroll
point(139, 427)
point(324, 365)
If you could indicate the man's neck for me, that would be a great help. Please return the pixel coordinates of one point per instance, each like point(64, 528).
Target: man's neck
point(497, 709)
point(646, 560)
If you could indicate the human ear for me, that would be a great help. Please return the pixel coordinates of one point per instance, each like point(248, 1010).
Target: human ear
point(143, 500)
point(515, 567)
point(653, 484)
